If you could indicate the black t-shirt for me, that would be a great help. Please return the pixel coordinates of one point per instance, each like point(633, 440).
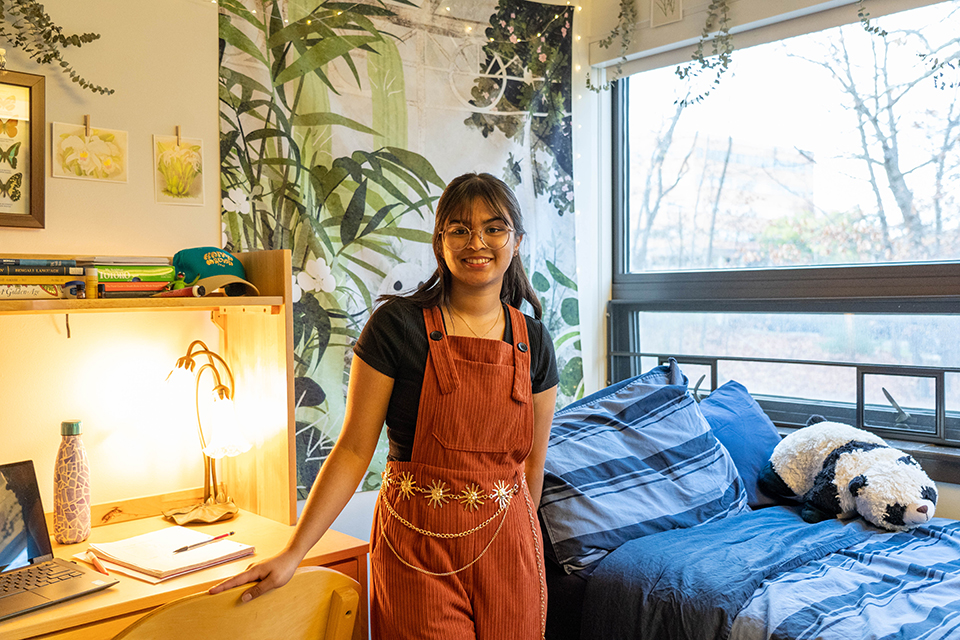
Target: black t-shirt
point(394, 342)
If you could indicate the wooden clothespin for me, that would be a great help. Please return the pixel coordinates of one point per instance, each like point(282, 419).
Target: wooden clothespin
point(86, 125)
point(178, 135)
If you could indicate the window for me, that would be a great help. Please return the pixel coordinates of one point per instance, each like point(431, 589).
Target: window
point(798, 230)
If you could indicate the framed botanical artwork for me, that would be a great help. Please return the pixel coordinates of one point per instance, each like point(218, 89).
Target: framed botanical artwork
point(178, 170)
point(87, 153)
point(665, 11)
point(21, 149)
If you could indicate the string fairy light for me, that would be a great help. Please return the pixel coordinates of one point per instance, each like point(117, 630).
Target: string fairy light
point(532, 39)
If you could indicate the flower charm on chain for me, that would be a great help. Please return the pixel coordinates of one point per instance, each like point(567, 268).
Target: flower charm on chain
point(502, 493)
point(437, 494)
point(471, 497)
point(408, 486)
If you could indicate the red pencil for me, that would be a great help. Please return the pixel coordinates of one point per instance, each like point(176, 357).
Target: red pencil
point(200, 544)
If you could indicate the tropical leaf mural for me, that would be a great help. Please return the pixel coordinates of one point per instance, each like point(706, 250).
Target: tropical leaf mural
point(341, 124)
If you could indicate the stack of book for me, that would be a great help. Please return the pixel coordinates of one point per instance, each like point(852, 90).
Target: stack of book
point(131, 277)
point(45, 279)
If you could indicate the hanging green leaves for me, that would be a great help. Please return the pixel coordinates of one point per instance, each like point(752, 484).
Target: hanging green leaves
point(25, 25)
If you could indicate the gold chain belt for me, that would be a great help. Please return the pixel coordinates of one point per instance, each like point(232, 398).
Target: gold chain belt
point(438, 494)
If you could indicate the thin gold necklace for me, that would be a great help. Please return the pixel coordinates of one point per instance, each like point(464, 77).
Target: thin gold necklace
point(467, 324)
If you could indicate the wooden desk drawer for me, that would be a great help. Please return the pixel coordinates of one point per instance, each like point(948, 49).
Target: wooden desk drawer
point(348, 568)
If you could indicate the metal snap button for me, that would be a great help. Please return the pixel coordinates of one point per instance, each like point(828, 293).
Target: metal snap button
point(522, 346)
point(436, 335)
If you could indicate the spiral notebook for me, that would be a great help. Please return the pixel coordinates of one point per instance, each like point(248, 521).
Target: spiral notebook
point(153, 554)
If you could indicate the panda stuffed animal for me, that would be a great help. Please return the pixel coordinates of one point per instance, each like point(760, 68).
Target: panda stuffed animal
point(836, 470)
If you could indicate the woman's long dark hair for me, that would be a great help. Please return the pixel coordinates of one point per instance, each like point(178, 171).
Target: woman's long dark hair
point(456, 201)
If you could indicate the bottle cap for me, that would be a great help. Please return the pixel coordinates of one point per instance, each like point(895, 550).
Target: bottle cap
point(70, 428)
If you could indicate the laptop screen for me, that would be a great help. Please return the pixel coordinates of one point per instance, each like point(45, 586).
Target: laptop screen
point(23, 531)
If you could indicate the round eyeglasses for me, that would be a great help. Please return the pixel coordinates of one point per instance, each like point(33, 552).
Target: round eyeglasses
point(493, 236)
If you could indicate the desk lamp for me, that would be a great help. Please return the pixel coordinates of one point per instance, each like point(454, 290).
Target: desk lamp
point(218, 439)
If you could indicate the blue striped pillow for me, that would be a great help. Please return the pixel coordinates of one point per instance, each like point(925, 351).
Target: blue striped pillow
point(631, 460)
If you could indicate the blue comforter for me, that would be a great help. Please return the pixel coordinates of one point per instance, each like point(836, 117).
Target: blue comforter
point(894, 585)
point(690, 584)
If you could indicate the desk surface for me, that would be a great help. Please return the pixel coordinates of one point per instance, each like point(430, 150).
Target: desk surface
point(131, 595)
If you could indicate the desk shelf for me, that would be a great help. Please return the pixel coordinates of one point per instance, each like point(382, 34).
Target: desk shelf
point(256, 339)
point(271, 304)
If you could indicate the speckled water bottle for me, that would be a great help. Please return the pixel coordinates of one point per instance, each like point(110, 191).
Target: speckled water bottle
point(71, 487)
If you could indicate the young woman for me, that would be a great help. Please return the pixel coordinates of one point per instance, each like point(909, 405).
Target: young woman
point(467, 387)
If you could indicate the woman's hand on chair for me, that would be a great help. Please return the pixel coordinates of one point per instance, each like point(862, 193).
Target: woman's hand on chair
point(269, 574)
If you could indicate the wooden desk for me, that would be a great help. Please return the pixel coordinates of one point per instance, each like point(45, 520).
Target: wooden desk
point(104, 614)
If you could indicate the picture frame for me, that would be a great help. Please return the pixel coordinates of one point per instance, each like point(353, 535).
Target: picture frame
point(22, 169)
point(665, 12)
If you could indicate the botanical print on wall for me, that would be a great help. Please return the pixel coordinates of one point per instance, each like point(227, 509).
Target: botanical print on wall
point(100, 156)
point(178, 170)
point(665, 11)
point(340, 127)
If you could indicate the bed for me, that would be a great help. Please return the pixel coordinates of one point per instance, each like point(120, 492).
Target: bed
point(653, 528)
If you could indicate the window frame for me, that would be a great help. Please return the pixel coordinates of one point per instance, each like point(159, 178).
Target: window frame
point(921, 288)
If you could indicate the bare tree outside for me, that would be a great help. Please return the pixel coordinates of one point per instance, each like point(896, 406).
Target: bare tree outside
point(831, 148)
point(834, 148)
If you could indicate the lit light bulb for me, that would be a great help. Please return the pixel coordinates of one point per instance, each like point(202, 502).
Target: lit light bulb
point(220, 429)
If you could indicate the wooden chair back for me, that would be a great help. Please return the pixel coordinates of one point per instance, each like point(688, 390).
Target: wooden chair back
point(318, 603)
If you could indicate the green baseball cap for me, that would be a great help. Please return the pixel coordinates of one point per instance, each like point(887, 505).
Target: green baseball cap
point(213, 269)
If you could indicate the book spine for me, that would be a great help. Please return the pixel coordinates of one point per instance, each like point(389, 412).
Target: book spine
point(136, 285)
point(129, 272)
point(34, 292)
point(125, 294)
point(38, 262)
point(35, 270)
point(39, 279)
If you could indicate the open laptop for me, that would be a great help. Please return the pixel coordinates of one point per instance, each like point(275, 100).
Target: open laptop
point(30, 577)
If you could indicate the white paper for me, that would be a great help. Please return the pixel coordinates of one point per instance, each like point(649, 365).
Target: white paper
point(153, 553)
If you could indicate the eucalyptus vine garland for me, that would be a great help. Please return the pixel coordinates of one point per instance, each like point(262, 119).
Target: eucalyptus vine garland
point(626, 25)
point(25, 25)
point(718, 19)
point(718, 61)
point(864, 16)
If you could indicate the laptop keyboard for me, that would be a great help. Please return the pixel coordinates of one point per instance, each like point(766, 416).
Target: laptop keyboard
point(34, 577)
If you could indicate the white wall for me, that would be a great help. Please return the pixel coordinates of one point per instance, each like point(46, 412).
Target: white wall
point(161, 58)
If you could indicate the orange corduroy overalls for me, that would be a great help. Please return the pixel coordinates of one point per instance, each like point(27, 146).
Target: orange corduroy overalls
point(456, 547)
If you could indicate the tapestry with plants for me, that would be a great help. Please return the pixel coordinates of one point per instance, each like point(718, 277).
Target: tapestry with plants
point(341, 123)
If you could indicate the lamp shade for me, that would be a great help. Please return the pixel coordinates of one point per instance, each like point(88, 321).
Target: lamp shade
point(220, 430)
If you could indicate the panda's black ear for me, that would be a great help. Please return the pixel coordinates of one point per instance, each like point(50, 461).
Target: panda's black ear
point(814, 419)
point(908, 459)
point(856, 484)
